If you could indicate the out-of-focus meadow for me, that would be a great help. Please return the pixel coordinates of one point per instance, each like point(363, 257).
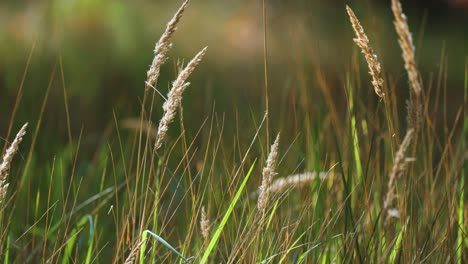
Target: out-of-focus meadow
point(104, 49)
point(76, 71)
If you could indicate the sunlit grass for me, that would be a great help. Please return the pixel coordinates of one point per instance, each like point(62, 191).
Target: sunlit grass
point(117, 197)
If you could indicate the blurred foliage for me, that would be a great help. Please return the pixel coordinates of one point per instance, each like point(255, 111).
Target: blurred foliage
point(104, 49)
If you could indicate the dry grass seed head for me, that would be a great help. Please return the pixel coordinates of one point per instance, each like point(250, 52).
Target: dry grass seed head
point(7, 159)
point(406, 43)
point(363, 42)
point(399, 166)
point(268, 173)
point(162, 47)
point(296, 180)
point(204, 224)
point(174, 98)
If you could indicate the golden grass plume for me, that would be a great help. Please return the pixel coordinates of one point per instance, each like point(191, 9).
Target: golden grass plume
point(174, 98)
point(204, 224)
point(399, 166)
point(7, 159)
point(363, 42)
point(267, 175)
point(163, 46)
point(407, 47)
point(296, 180)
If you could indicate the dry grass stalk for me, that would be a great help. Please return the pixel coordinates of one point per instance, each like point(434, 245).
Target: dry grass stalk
point(162, 48)
point(363, 42)
point(204, 224)
point(399, 166)
point(406, 43)
point(174, 98)
point(134, 252)
point(7, 158)
point(267, 175)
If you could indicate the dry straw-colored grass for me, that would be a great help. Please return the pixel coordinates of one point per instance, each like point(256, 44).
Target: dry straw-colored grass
point(7, 159)
point(406, 43)
point(363, 42)
point(162, 48)
point(174, 98)
point(267, 175)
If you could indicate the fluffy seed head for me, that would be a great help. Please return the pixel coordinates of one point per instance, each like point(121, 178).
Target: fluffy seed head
point(363, 42)
point(204, 224)
point(7, 158)
point(407, 47)
point(399, 166)
point(268, 172)
point(174, 98)
point(162, 47)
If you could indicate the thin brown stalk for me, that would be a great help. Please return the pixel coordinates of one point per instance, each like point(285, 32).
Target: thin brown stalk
point(174, 98)
point(406, 43)
point(7, 159)
point(363, 42)
point(268, 172)
point(162, 47)
point(399, 166)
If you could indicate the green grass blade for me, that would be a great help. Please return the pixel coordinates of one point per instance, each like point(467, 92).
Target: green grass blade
point(166, 244)
point(354, 133)
point(143, 247)
point(397, 245)
point(216, 235)
point(71, 242)
point(7, 252)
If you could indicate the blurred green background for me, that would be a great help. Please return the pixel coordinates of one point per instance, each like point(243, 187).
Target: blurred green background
point(104, 49)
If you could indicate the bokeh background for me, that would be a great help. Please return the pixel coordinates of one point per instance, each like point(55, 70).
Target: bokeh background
point(99, 52)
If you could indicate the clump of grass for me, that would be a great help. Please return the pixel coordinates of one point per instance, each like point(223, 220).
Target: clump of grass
point(174, 98)
point(363, 42)
point(308, 226)
point(7, 159)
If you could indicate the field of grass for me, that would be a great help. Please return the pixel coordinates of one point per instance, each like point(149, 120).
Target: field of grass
point(354, 164)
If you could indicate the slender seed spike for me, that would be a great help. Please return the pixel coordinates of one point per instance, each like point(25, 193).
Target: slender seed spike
point(399, 166)
point(204, 224)
point(268, 172)
point(363, 42)
point(174, 98)
point(407, 47)
point(7, 159)
point(162, 47)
